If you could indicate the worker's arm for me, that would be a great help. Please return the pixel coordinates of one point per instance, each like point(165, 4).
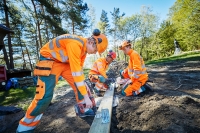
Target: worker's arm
point(102, 68)
point(74, 53)
point(83, 60)
point(136, 66)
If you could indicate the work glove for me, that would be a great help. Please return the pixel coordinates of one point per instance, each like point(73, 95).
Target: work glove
point(102, 79)
point(129, 81)
point(121, 72)
point(87, 101)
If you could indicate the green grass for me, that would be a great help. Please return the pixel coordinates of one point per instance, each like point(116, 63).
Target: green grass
point(17, 96)
point(13, 96)
point(184, 56)
point(61, 83)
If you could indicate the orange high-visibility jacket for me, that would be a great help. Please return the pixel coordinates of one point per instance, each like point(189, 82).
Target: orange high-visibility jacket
point(136, 67)
point(99, 67)
point(68, 49)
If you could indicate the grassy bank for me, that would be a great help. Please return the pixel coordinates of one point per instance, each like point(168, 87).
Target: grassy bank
point(23, 97)
point(195, 55)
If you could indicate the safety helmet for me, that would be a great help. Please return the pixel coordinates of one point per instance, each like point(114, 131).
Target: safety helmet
point(124, 44)
point(112, 54)
point(101, 40)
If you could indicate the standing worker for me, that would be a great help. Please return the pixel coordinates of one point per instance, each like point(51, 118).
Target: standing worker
point(62, 56)
point(97, 73)
point(135, 72)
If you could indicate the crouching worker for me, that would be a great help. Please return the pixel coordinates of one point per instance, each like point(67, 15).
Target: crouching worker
point(62, 56)
point(98, 75)
point(134, 76)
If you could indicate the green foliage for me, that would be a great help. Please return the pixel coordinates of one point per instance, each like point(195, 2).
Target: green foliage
point(182, 25)
point(75, 15)
point(53, 23)
point(185, 17)
point(114, 31)
point(166, 37)
point(103, 25)
point(50, 7)
point(86, 72)
point(52, 16)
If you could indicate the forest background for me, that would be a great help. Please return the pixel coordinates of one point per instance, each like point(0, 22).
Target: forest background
point(35, 22)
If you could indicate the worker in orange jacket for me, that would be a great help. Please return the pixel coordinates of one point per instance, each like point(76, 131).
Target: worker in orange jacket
point(97, 73)
point(62, 56)
point(135, 73)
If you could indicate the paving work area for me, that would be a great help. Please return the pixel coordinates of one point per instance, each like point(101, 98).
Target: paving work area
point(173, 105)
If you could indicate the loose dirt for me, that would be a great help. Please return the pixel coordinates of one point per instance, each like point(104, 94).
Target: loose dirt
point(172, 107)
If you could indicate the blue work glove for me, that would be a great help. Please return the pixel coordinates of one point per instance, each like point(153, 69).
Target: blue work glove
point(121, 73)
point(102, 79)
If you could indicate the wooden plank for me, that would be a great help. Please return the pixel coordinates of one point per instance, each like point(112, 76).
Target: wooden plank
point(106, 103)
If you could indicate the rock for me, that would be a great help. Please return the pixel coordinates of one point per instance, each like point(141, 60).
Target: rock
point(8, 116)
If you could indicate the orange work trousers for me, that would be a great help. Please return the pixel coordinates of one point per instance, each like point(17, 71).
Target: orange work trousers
point(135, 86)
point(45, 88)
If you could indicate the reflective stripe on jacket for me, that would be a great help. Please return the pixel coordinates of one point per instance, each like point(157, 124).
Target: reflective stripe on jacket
point(68, 49)
point(136, 66)
point(99, 67)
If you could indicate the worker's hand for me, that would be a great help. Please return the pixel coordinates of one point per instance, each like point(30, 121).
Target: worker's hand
point(88, 102)
point(129, 81)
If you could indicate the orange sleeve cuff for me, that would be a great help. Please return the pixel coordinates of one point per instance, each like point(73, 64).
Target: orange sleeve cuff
point(83, 90)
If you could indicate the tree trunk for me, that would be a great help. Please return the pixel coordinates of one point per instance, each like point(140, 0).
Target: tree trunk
point(11, 65)
point(29, 58)
point(24, 61)
point(37, 24)
point(46, 26)
point(6, 56)
point(37, 48)
point(142, 45)
point(73, 28)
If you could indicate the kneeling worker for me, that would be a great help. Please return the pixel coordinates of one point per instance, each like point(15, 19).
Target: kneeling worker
point(135, 73)
point(98, 75)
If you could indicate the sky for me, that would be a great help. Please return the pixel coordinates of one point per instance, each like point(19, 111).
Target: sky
point(130, 7)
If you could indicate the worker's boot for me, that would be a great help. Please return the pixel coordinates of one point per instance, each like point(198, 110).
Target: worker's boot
point(148, 87)
point(28, 131)
point(145, 89)
point(142, 89)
